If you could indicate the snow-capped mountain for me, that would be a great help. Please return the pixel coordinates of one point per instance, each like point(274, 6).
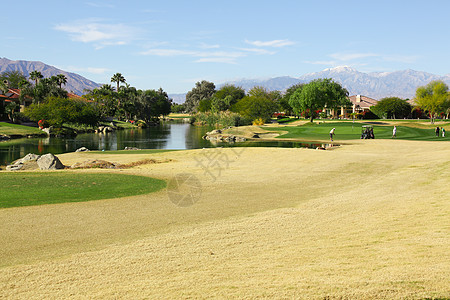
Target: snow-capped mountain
point(376, 85)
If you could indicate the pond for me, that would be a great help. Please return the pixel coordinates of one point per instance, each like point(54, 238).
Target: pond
point(168, 135)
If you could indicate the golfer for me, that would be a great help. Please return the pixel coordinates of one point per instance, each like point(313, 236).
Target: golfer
point(332, 133)
point(394, 132)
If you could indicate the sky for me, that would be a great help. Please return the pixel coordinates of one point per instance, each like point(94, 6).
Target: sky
point(173, 44)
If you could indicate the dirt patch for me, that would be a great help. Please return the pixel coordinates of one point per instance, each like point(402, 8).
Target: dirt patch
point(103, 164)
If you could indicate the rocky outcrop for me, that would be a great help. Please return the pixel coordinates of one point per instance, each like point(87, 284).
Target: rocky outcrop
point(28, 162)
point(104, 129)
point(82, 149)
point(94, 163)
point(218, 135)
point(49, 162)
point(4, 137)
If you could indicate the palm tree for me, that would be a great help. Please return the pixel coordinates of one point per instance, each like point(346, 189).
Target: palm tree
point(61, 79)
point(118, 78)
point(36, 75)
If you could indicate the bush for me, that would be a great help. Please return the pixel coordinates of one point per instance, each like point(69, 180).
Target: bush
point(258, 121)
point(57, 111)
point(225, 118)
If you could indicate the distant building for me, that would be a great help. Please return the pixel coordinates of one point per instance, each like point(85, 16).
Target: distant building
point(360, 104)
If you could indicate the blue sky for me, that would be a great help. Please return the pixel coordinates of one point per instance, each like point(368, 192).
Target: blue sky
point(173, 44)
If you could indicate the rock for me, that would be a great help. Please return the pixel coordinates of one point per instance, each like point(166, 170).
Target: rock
point(216, 131)
point(240, 139)
point(4, 137)
point(131, 148)
point(108, 129)
point(14, 167)
point(94, 163)
point(82, 149)
point(47, 130)
point(49, 162)
point(27, 158)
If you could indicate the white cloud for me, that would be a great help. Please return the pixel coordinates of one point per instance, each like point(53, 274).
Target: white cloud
point(257, 51)
point(207, 46)
point(204, 56)
point(274, 43)
point(100, 34)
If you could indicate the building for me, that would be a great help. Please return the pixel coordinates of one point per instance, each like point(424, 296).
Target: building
point(360, 104)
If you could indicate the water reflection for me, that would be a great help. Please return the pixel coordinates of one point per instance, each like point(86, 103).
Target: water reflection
point(165, 136)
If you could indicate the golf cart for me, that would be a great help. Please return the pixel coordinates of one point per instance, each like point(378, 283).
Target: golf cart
point(367, 132)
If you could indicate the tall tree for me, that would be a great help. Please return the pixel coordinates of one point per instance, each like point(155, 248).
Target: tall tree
point(318, 94)
point(36, 76)
point(118, 79)
point(202, 90)
point(433, 98)
point(61, 79)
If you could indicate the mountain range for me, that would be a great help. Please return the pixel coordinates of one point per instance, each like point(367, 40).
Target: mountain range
point(75, 83)
point(375, 85)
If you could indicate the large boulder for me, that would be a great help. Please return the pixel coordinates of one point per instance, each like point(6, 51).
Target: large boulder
point(49, 162)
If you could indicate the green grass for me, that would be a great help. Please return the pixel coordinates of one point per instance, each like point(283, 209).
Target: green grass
point(350, 131)
point(25, 189)
point(143, 151)
point(15, 129)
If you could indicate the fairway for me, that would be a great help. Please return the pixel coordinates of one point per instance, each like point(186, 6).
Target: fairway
point(346, 130)
point(363, 221)
point(15, 129)
point(25, 189)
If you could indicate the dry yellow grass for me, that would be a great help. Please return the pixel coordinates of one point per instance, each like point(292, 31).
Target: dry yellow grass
point(369, 220)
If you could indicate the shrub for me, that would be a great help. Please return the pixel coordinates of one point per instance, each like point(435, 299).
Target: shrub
point(258, 121)
point(225, 118)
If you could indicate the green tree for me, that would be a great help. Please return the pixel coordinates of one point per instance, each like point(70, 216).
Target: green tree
point(3, 86)
point(318, 94)
point(202, 90)
point(11, 110)
point(177, 108)
point(61, 79)
point(392, 107)
point(46, 87)
point(58, 111)
point(14, 79)
point(231, 92)
point(36, 76)
point(204, 105)
point(152, 104)
point(285, 104)
point(258, 104)
point(118, 79)
point(433, 98)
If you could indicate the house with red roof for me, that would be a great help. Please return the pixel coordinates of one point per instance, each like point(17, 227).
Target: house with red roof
point(360, 104)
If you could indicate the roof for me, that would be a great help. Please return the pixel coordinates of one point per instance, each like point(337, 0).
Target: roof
point(73, 96)
point(10, 94)
point(365, 102)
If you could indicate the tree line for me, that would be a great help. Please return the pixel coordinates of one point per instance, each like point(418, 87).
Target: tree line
point(309, 100)
point(50, 102)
